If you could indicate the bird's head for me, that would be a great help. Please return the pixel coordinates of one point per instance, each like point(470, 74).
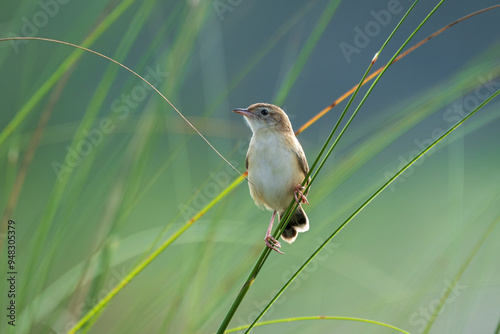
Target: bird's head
point(265, 115)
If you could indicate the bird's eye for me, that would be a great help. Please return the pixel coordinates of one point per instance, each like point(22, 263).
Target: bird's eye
point(264, 112)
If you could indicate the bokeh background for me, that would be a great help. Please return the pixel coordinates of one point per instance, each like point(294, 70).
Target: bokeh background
point(97, 170)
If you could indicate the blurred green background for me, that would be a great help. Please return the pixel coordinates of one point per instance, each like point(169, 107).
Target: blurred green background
point(99, 170)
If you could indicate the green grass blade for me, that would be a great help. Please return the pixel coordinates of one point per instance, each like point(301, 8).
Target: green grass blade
point(103, 302)
point(293, 205)
point(368, 201)
point(377, 79)
point(59, 72)
point(306, 51)
point(319, 317)
point(60, 187)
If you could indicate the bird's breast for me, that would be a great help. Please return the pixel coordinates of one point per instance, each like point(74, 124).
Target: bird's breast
point(273, 171)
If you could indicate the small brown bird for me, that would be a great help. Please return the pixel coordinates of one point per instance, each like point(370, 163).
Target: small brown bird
point(276, 166)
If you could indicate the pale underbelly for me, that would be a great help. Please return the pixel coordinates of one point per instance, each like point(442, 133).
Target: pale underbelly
point(273, 180)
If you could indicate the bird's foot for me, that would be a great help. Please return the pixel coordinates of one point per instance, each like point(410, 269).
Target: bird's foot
point(272, 243)
point(299, 195)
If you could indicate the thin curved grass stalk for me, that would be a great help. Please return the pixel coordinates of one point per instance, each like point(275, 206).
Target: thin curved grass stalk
point(65, 65)
point(368, 201)
point(143, 62)
point(266, 47)
point(293, 205)
point(35, 262)
point(217, 298)
point(398, 58)
point(345, 95)
point(80, 176)
point(128, 177)
point(59, 73)
point(259, 55)
point(318, 30)
point(150, 183)
point(459, 274)
point(318, 317)
point(10, 128)
point(240, 180)
point(374, 74)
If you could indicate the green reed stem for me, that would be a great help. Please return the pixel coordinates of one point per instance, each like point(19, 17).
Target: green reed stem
point(102, 303)
point(286, 217)
point(293, 205)
point(368, 201)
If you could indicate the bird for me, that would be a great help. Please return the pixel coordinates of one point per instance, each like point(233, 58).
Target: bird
point(277, 167)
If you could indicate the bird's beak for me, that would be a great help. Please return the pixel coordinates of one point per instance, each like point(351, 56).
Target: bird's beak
point(243, 111)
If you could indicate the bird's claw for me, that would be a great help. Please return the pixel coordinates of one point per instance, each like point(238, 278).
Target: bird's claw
point(299, 195)
point(272, 243)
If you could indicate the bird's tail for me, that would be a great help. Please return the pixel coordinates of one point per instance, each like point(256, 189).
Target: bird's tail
point(298, 223)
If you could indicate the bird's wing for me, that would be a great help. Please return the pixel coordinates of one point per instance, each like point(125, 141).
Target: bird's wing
point(301, 158)
point(302, 161)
